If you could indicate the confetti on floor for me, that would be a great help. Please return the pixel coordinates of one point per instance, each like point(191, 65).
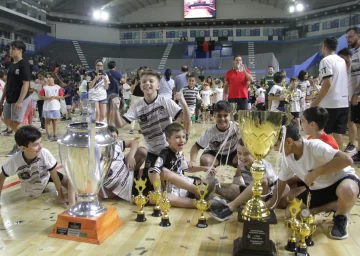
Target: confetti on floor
point(184, 247)
point(150, 239)
point(143, 252)
point(140, 248)
point(223, 237)
point(211, 238)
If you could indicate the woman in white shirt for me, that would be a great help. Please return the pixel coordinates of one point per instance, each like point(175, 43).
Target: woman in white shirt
point(167, 85)
point(97, 90)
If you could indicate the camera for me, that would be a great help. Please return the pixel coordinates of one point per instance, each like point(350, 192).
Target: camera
point(100, 72)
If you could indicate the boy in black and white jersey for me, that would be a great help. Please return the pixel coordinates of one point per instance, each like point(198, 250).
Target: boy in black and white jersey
point(154, 113)
point(119, 181)
point(212, 139)
point(35, 166)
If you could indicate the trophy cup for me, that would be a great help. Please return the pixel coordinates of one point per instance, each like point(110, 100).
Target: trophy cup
point(308, 219)
point(140, 200)
point(156, 196)
point(304, 230)
point(201, 204)
point(292, 224)
point(260, 130)
point(86, 152)
point(165, 206)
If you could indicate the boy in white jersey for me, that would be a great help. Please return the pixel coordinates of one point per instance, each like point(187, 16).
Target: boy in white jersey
point(243, 190)
point(35, 166)
point(191, 94)
point(276, 94)
point(153, 114)
point(212, 139)
point(119, 181)
point(296, 96)
point(328, 174)
point(206, 102)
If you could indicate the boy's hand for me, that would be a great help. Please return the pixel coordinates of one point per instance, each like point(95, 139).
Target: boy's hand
point(212, 172)
point(130, 162)
point(180, 97)
point(191, 164)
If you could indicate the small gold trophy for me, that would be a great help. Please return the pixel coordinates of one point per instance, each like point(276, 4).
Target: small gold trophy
point(304, 230)
point(293, 224)
point(156, 196)
point(201, 204)
point(140, 200)
point(308, 219)
point(165, 206)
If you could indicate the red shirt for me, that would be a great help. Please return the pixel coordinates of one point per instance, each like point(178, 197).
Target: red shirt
point(327, 139)
point(238, 84)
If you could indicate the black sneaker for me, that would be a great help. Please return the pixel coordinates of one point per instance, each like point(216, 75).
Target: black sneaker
point(356, 158)
point(13, 151)
point(339, 230)
point(222, 214)
point(350, 148)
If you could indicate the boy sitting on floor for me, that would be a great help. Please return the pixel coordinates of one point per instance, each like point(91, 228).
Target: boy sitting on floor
point(331, 180)
point(35, 166)
point(171, 158)
point(119, 181)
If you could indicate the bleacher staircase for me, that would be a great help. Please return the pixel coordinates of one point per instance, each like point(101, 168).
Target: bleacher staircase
point(80, 53)
point(165, 57)
point(251, 55)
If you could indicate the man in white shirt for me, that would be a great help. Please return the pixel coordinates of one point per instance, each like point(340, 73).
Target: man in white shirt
point(328, 176)
point(334, 90)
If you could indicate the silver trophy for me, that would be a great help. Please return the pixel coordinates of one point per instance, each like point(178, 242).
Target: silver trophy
point(86, 152)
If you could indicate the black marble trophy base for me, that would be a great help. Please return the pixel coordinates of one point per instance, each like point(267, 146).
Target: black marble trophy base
point(309, 242)
point(291, 247)
point(301, 252)
point(156, 213)
point(202, 224)
point(165, 223)
point(140, 218)
point(239, 250)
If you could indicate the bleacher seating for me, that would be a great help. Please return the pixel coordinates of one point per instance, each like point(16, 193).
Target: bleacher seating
point(177, 51)
point(61, 51)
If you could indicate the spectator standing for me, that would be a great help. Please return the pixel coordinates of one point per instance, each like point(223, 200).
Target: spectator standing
point(113, 92)
point(181, 80)
point(167, 85)
point(137, 93)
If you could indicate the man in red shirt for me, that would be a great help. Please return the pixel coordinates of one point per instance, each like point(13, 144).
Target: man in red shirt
point(236, 84)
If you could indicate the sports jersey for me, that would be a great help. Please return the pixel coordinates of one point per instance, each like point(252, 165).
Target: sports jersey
point(296, 98)
point(212, 139)
point(153, 117)
point(276, 91)
point(205, 97)
point(119, 178)
point(98, 92)
point(50, 91)
point(327, 139)
point(190, 95)
point(34, 176)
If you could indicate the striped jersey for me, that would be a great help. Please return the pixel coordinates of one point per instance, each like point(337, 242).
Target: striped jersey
point(153, 117)
point(190, 96)
point(119, 178)
point(34, 176)
point(213, 138)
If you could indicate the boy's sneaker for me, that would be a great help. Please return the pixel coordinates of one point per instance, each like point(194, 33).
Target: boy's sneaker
point(131, 131)
point(339, 230)
point(13, 151)
point(350, 148)
point(356, 158)
point(216, 203)
point(63, 119)
point(69, 119)
point(8, 133)
point(187, 138)
point(54, 138)
point(222, 214)
point(49, 138)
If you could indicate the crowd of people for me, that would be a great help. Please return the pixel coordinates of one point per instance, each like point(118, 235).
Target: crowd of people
point(165, 110)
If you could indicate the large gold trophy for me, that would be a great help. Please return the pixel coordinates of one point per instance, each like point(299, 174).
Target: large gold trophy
point(201, 204)
point(260, 130)
point(140, 200)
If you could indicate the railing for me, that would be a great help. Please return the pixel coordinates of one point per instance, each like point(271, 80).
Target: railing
point(29, 47)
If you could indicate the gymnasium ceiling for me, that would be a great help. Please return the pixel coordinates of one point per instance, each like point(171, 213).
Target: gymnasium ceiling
point(124, 7)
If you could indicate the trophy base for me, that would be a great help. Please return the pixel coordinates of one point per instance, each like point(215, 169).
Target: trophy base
point(140, 218)
point(156, 213)
point(202, 224)
point(309, 242)
point(291, 247)
point(301, 252)
point(92, 230)
point(271, 219)
point(165, 223)
point(240, 250)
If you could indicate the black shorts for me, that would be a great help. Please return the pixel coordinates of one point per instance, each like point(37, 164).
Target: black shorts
point(61, 176)
point(326, 195)
point(337, 122)
point(222, 158)
point(355, 113)
point(144, 174)
point(242, 104)
point(295, 114)
point(260, 106)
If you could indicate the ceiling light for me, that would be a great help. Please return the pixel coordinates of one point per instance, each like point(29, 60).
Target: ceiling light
point(104, 15)
point(96, 15)
point(299, 7)
point(291, 9)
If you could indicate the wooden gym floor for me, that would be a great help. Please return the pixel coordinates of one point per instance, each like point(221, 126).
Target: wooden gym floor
point(26, 222)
